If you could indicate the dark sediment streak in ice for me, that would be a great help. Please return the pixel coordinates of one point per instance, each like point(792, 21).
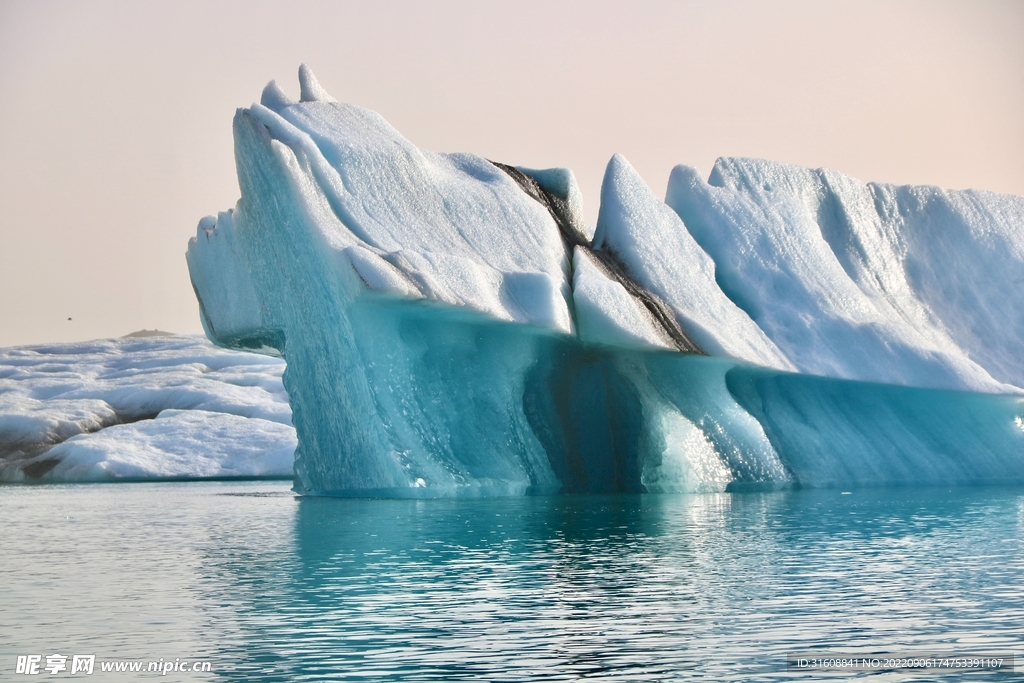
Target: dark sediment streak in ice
point(574, 237)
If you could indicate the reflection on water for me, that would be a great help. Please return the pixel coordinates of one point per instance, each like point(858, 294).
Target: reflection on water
point(650, 587)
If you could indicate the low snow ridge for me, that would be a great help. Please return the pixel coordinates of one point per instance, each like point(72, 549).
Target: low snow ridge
point(142, 408)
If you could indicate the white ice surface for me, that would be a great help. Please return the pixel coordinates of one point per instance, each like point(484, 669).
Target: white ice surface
point(449, 227)
point(92, 406)
point(561, 182)
point(182, 444)
point(652, 243)
point(606, 313)
point(787, 267)
point(904, 285)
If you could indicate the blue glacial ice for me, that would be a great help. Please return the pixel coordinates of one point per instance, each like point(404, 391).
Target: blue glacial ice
point(452, 328)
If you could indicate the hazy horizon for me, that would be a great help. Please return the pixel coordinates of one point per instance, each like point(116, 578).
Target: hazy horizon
point(117, 116)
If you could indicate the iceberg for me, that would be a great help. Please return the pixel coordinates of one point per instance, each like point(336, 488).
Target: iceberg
point(451, 326)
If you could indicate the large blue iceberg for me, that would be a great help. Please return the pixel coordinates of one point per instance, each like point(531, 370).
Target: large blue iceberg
point(452, 327)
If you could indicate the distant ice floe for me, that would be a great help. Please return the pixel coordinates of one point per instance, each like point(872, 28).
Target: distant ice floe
point(155, 407)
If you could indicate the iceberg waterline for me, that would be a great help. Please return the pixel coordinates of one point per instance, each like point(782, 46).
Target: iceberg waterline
point(451, 327)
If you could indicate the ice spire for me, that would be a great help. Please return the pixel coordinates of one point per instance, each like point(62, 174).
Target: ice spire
point(310, 89)
point(274, 97)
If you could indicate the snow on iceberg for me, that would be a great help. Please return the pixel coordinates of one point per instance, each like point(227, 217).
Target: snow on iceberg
point(149, 408)
point(906, 285)
point(452, 328)
point(652, 243)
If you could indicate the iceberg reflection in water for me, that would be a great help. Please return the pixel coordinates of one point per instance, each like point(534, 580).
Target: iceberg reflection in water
point(273, 587)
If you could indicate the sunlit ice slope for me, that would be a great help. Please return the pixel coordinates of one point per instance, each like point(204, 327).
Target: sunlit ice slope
point(909, 285)
point(452, 328)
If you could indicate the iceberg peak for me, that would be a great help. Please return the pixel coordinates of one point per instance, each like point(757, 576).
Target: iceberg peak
point(310, 89)
point(274, 97)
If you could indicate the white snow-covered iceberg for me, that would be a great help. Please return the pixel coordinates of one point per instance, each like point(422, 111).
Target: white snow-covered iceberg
point(451, 327)
point(169, 407)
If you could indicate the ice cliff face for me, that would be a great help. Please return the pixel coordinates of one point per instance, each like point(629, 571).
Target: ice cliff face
point(452, 328)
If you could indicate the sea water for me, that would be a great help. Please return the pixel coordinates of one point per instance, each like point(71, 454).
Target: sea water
point(258, 584)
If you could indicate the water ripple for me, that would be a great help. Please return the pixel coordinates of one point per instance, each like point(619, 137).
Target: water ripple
point(637, 588)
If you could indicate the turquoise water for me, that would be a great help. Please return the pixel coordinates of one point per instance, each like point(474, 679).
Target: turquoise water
point(267, 586)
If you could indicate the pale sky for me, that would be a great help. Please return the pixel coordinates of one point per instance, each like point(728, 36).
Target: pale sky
point(116, 116)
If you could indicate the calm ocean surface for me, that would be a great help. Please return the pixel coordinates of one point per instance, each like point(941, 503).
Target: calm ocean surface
point(268, 586)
